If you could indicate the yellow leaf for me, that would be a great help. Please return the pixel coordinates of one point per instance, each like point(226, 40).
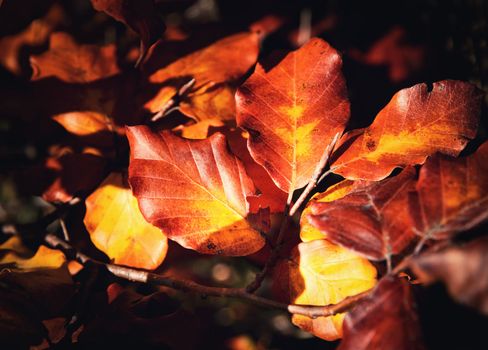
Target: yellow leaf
point(117, 227)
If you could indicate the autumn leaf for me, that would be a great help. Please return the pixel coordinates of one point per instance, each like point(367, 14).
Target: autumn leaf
point(392, 51)
point(35, 35)
point(117, 227)
point(12, 252)
point(373, 220)
point(462, 269)
point(322, 273)
point(215, 68)
point(452, 195)
point(139, 15)
point(74, 63)
point(293, 111)
point(308, 232)
point(385, 320)
point(416, 123)
point(195, 191)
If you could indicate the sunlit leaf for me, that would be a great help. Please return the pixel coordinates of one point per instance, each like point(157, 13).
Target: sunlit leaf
point(322, 273)
point(293, 111)
point(195, 191)
point(117, 227)
point(416, 123)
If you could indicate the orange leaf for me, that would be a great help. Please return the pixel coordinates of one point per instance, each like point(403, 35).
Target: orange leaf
point(74, 63)
point(117, 227)
point(452, 195)
point(415, 124)
point(195, 191)
point(373, 220)
point(213, 68)
point(293, 112)
point(322, 273)
point(385, 320)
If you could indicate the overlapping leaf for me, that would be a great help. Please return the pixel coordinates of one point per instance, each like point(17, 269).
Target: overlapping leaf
point(74, 63)
point(139, 15)
point(215, 69)
point(385, 320)
point(452, 195)
point(373, 220)
point(195, 191)
point(416, 123)
point(117, 227)
point(321, 273)
point(293, 112)
point(12, 252)
point(462, 269)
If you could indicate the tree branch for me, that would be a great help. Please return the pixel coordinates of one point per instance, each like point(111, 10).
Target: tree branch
point(143, 276)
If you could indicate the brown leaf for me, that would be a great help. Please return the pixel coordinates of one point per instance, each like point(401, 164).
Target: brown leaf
point(416, 123)
point(195, 191)
point(293, 112)
point(385, 320)
point(139, 15)
point(74, 63)
point(372, 220)
point(462, 269)
point(452, 195)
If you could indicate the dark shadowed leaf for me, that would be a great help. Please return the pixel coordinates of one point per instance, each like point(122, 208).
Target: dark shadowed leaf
point(385, 320)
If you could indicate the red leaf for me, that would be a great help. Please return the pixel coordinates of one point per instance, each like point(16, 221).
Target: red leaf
point(385, 320)
point(452, 195)
point(373, 220)
point(195, 191)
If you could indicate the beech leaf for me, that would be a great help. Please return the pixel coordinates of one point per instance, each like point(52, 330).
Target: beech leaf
point(373, 220)
point(117, 227)
point(385, 320)
point(322, 273)
point(462, 269)
point(416, 123)
point(452, 195)
point(293, 112)
point(195, 191)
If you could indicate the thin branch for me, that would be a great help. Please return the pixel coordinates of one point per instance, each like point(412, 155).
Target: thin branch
point(169, 106)
point(318, 170)
point(143, 276)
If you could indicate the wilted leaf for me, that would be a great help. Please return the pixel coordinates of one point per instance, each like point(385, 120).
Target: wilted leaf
point(385, 320)
point(139, 15)
point(462, 269)
point(74, 63)
point(321, 273)
point(293, 112)
point(117, 227)
point(415, 124)
point(373, 220)
point(215, 69)
point(452, 195)
point(195, 191)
